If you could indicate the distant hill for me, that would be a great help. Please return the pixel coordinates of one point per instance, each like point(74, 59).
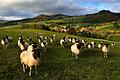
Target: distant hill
point(102, 16)
point(2, 21)
point(38, 18)
point(44, 17)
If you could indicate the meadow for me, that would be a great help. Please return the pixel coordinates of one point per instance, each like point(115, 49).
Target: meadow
point(58, 63)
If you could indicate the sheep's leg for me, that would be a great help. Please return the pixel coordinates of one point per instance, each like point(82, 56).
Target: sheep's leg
point(30, 71)
point(23, 67)
point(106, 55)
point(72, 54)
point(45, 49)
point(62, 45)
point(26, 66)
point(76, 56)
point(6, 48)
point(36, 70)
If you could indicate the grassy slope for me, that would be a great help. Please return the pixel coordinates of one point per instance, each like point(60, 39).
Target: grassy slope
point(107, 27)
point(58, 63)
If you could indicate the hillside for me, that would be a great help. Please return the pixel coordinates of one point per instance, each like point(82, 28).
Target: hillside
point(58, 63)
point(102, 17)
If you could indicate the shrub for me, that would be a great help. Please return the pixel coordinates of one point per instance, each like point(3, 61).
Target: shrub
point(113, 37)
point(35, 26)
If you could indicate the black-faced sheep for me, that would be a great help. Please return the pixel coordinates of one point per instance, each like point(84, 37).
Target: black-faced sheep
point(63, 41)
point(22, 45)
point(6, 40)
point(100, 45)
point(44, 45)
point(75, 48)
point(105, 50)
point(93, 44)
point(30, 59)
point(89, 46)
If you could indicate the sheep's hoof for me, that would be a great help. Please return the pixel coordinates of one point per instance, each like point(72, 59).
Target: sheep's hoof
point(29, 74)
point(76, 58)
point(36, 72)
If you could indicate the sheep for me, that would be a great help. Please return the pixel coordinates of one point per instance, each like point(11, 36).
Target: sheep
point(10, 39)
point(30, 59)
point(54, 37)
point(4, 42)
point(23, 45)
point(63, 41)
point(90, 46)
point(93, 44)
point(20, 37)
point(51, 39)
point(75, 49)
point(46, 38)
point(84, 42)
point(74, 40)
point(44, 45)
point(105, 50)
point(32, 46)
point(39, 39)
point(113, 44)
point(100, 45)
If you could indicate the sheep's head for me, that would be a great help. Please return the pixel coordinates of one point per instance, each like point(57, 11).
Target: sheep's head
point(106, 44)
point(34, 45)
point(79, 45)
point(36, 53)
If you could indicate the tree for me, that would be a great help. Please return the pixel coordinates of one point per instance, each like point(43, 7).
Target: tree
point(116, 25)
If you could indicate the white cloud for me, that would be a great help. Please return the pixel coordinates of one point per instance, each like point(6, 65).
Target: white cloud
point(11, 18)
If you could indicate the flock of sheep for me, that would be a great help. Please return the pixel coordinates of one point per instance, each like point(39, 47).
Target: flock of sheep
point(30, 51)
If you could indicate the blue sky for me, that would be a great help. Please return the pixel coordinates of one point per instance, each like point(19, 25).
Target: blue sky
point(18, 9)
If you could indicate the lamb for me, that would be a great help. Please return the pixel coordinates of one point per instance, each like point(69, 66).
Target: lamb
point(30, 59)
point(105, 50)
point(75, 48)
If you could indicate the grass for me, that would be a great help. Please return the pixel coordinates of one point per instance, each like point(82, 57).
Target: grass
point(58, 63)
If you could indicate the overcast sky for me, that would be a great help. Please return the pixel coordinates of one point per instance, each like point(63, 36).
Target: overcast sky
point(18, 9)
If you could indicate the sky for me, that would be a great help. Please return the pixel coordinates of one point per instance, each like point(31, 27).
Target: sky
point(19, 9)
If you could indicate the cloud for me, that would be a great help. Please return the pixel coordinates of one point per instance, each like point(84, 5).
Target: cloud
point(10, 18)
point(31, 8)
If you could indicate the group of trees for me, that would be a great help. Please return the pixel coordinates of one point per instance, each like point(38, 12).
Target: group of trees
point(116, 25)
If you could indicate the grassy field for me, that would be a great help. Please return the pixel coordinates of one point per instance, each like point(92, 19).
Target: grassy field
point(58, 63)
